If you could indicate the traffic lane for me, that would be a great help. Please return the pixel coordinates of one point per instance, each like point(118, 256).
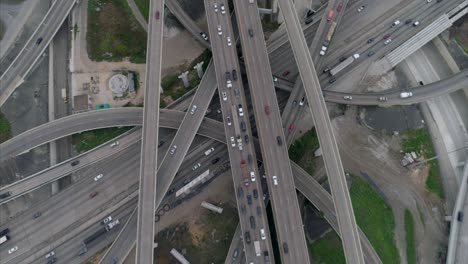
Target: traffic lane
point(29, 234)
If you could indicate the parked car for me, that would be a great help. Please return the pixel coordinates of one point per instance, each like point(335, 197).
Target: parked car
point(240, 191)
point(246, 139)
point(224, 96)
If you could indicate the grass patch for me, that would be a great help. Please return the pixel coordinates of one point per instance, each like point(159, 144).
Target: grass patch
point(302, 151)
point(268, 25)
point(410, 242)
point(206, 240)
point(460, 42)
point(327, 250)
point(85, 141)
point(419, 141)
point(375, 218)
point(143, 6)
point(5, 128)
point(114, 33)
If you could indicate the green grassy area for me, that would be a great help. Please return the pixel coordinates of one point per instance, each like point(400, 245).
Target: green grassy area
point(209, 245)
point(327, 250)
point(460, 42)
point(419, 141)
point(375, 218)
point(302, 151)
point(5, 128)
point(410, 242)
point(113, 32)
point(85, 141)
point(143, 6)
point(268, 25)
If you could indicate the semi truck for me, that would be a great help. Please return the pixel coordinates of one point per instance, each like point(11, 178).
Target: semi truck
point(343, 64)
point(331, 30)
point(4, 239)
point(258, 252)
point(235, 121)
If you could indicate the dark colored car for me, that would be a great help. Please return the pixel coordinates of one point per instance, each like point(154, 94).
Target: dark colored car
point(342, 59)
point(243, 126)
point(37, 215)
point(386, 36)
point(370, 53)
point(247, 237)
point(5, 195)
point(243, 210)
point(38, 41)
point(215, 160)
point(252, 222)
point(75, 162)
point(332, 80)
point(460, 217)
point(234, 75)
point(340, 7)
point(408, 21)
point(171, 191)
point(160, 143)
point(310, 12)
point(156, 15)
point(267, 257)
point(285, 73)
point(250, 32)
point(93, 194)
point(278, 139)
point(240, 191)
point(370, 40)
point(285, 247)
point(249, 158)
point(326, 70)
point(4, 232)
point(294, 103)
point(246, 138)
point(52, 260)
point(267, 109)
point(249, 199)
point(228, 75)
point(309, 20)
point(259, 210)
point(255, 193)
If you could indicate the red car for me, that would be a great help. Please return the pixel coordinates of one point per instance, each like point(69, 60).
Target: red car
point(267, 109)
point(386, 36)
point(156, 15)
point(93, 194)
point(291, 127)
point(242, 162)
point(285, 73)
point(340, 6)
point(330, 15)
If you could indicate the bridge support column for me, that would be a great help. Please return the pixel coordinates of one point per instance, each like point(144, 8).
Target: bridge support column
point(199, 68)
point(184, 79)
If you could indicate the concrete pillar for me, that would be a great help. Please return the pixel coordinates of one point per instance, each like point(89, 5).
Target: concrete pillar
point(199, 68)
point(52, 145)
point(184, 78)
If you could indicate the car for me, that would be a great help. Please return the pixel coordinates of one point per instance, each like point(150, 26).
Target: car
point(348, 97)
point(228, 120)
point(241, 111)
point(259, 210)
point(339, 7)
point(215, 160)
point(285, 248)
point(416, 23)
point(247, 237)
point(93, 194)
point(107, 219)
point(173, 150)
point(204, 36)
point(243, 209)
point(215, 6)
point(249, 199)
point(114, 144)
point(301, 103)
point(396, 23)
point(161, 143)
point(219, 30)
point(97, 178)
point(310, 12)
point(309, 20)
point(249, 158)
point(460, 216)
point(186, 181)
point(291, 127)
point(4, 232)
point(251, 32)
point(255, 193)
point(294, 103)
point(386, 36)
point(330, 15)
point(38, 41)
point(223, 10)
point(370, 53)
point(285, 73)
point(234, 75)
point(262, 234)
point(229, 84)
point(170, 191)
point(251, 1)
point(370, 40)
point(193, 110)
point(236, 92)
point(267, 109)
point(156, 15)
point(233, 142)
point(196, 166)
point(224, 96)
point(75, 162)
point(240, 191)
point(332, 80)
point(228, 75)
point(408, 21)
point(52, 260)
point(229, 43)
point(361, 8)
point(252, 222)
point(246, 139)
point(387, 41)
point(406, 94)
point(235, 254)
point(13, 249)
point(383, 98)
point(342, 59)
point(323, 50)
point(275, 180)
point(37, 215)
point(5, 195)
point(429, 1)
point(252, 176)
point(275, 79)
point(50, 254)
point(279, 141)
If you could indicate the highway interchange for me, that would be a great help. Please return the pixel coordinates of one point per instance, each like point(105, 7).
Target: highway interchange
point(225, 59)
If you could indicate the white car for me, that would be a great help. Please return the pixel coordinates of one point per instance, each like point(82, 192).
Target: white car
point(114, 144)
point(193, 110)
point(233, 142)
point(361, 8)
point(301, 103)
point(387, 41)
point(229, 41)
point(220, 32)
point(323, 50)
point(348, 97)
point(50, 254)
point(262, 234)
point(416, 23)
point(215, 5)
point(13, 249)
point(275, 180)
point(196, 166)
point(396, 23)
point(228, 119)
point(241, 111)
point(406, 94)
point(275, 79)
point(252, 176)
point(223, 10)
point(107, 219)
point(229, 84)
point(224, 96)
point(204, 36)
point(97, 178)
point(173, 149)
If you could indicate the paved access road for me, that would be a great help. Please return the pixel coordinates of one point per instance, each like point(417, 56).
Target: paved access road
point(149, 147)
point(33, 49)
point(344, 210)
point(288, 222)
